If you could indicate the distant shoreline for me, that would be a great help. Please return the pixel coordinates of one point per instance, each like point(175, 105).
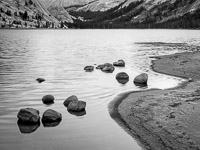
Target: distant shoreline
point(161, 119)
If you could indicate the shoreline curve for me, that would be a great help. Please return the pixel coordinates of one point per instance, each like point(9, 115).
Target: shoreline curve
point(159, 124)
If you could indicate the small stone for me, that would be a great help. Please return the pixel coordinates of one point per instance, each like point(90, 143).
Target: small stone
point(48, 99)
point(119, 63)
point(89, 68)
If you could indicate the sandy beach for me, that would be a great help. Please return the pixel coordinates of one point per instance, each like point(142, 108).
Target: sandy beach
point(164, 119)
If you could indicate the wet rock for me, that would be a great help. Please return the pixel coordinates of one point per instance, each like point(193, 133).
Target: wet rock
point(76, 106)
point(89, 68)
point(48, 99)
point(141, 79)
point(28, 116)
point(119, 63)
point(70, 99)
point(108, 68)
point(27, 128)
point(122, 75)
point(100, 66)
point(51, 116)
point(40, 80)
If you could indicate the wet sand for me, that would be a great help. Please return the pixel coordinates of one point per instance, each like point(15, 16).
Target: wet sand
point(164, 119)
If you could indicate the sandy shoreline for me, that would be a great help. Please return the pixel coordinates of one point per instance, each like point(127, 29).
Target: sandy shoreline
point(164, 119)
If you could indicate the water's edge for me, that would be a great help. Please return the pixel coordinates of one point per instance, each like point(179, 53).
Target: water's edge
point(114, 104)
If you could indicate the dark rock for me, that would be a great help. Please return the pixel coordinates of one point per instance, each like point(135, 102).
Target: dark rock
point(122, 75)
point(81, 113)
point(108, 68)
point(89, 68)
point(27, 128)
point(141, 79)
point(28, 116)
point(70, 99)
point(120, 63)
point(48, 99)
point(76, 106)
point(40, 80)
point(100, 67)
point(51, 116)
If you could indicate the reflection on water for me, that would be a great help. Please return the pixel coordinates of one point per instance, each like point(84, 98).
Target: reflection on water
point(81, 113)
point(51, 124)
point(59, 56)
point(27, 128)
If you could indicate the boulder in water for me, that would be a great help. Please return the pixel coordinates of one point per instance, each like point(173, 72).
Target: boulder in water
point(122, 75)
point(28, 116)
point(119, 63)
point(76, 106)
point(48, 99)
point(51, 116)
point(70, 99)
point(141, 79)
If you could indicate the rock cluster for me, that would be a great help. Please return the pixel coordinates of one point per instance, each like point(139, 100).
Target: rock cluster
point(74, 105)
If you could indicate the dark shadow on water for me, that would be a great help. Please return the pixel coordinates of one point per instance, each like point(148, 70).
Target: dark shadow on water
point(27, 128)
point(122, 81)
point(81, 113)
point(141, 85)
point(51, 124)
point(48, 104)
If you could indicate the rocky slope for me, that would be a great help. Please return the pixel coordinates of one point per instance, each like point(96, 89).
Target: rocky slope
point(142, 14)
point(100, 13)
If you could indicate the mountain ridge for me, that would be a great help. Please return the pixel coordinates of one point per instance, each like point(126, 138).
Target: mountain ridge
point(99, 13)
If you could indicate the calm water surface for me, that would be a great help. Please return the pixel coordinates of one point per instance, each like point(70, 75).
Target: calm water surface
point(59, 56)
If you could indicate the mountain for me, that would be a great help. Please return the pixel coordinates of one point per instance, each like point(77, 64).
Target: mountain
point(100, 13)
point(141, 14)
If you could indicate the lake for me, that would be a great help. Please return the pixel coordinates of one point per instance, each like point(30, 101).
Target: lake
point(60, 56)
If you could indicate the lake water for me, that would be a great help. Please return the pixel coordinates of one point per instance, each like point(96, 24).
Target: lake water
point(59, 56)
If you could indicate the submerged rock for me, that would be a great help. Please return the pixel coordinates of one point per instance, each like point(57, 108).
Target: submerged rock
point(76, 106)
point(40, 80)
point(28, 116)
point(108, 68)
point(89, 68)
point(119, 63)
point(141, 79)
point(51, 116)
point(48, 99)
point(70, 99)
